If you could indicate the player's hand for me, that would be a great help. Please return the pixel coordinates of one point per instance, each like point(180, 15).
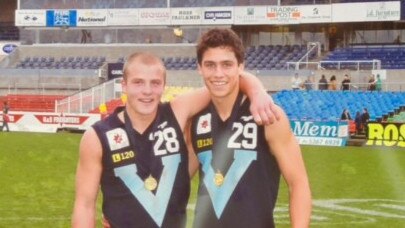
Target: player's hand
point(262, 107)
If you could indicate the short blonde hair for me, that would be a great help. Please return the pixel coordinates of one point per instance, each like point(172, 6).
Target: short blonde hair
point(143, 58)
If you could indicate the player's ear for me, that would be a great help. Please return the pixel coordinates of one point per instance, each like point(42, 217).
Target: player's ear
point(199, 69)
point(124, 85)
point(241, 67)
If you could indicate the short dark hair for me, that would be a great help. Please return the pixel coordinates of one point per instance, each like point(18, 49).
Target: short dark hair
point(220, 38)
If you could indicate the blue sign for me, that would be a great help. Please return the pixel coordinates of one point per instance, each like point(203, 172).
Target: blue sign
point(8, 48)
point(61, 18)
point(321, 133)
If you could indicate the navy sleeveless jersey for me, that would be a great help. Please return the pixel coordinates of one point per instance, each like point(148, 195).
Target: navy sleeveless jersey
point(159, 152)
point(239, 178)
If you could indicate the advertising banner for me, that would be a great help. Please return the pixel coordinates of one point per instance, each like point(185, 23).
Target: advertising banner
point(123, 17)
point(385, 134)
point(370, 11)
point(61, 18)
point(154, 16)
point(115, 70)
point(30, 18)
point(185, 16)
point(283, 14)
point(329, 133)
point(316, 14)
point(217, 16)
point(49, 122)
point(7, 47)
point(92, 17)
point(250, 15)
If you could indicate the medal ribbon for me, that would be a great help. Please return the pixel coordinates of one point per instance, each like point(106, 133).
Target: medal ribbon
point(220, 141)
point(138, 148)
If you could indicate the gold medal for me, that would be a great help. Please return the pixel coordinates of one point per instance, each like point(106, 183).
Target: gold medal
point(150, 183)
point(218, 178)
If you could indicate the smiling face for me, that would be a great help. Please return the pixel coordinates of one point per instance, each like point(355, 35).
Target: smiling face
point(220, 70)
point(144, 82)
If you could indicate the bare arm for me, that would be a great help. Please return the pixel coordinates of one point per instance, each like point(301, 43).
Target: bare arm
point(187, 105)
point(193, 162)
point(285, 148)
point(87, 181)
point(262, 107)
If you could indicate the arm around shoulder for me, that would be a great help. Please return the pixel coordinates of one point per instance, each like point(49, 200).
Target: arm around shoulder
point(187, 105)
point(193, 162)
point(287, 152)
point(88, 175)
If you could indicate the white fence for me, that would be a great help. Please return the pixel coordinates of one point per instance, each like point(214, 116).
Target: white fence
point(90, 99)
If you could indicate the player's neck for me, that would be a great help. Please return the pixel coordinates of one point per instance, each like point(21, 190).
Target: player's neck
point(140, 122)
point(224, 105)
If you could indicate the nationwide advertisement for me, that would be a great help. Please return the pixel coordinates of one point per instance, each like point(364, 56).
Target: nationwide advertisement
point(154, 16)
point(370, 11)
point(385, 134)
point(61, 18)
point(96, 17)
point(250, 15)
point(30, 18)
point(329, 133)
point(123, 17)
point(49, 122)
point(217, 16)
point(185, 16)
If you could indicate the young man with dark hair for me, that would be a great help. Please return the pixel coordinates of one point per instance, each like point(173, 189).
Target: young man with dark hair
point(241, 162)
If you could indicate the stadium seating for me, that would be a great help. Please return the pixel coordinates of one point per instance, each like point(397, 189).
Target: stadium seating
point(71, 62)
point(263, 57)
point(328, 105)
point(8, 32)
point(91, 4)
point(274, 57)
point(32, 103)
point(391, 57)
point(399, 118)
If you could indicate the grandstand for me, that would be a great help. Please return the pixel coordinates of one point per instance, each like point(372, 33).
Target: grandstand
point(53, 62)
point(49, 72)
point(318, 105)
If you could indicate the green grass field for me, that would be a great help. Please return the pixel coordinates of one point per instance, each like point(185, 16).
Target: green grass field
point(351, 186)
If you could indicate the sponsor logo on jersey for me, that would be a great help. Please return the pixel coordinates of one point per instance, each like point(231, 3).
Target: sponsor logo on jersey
point(246, 118)
point(162, 125)
point(204, 142)
point(204, 124)
point(117, 139)
point(118, 157)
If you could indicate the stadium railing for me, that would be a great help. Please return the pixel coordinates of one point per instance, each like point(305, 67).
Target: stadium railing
point(91, 98)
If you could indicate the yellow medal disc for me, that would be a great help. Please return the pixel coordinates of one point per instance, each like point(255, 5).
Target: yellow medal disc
point(150, 183)
point(218, 178)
